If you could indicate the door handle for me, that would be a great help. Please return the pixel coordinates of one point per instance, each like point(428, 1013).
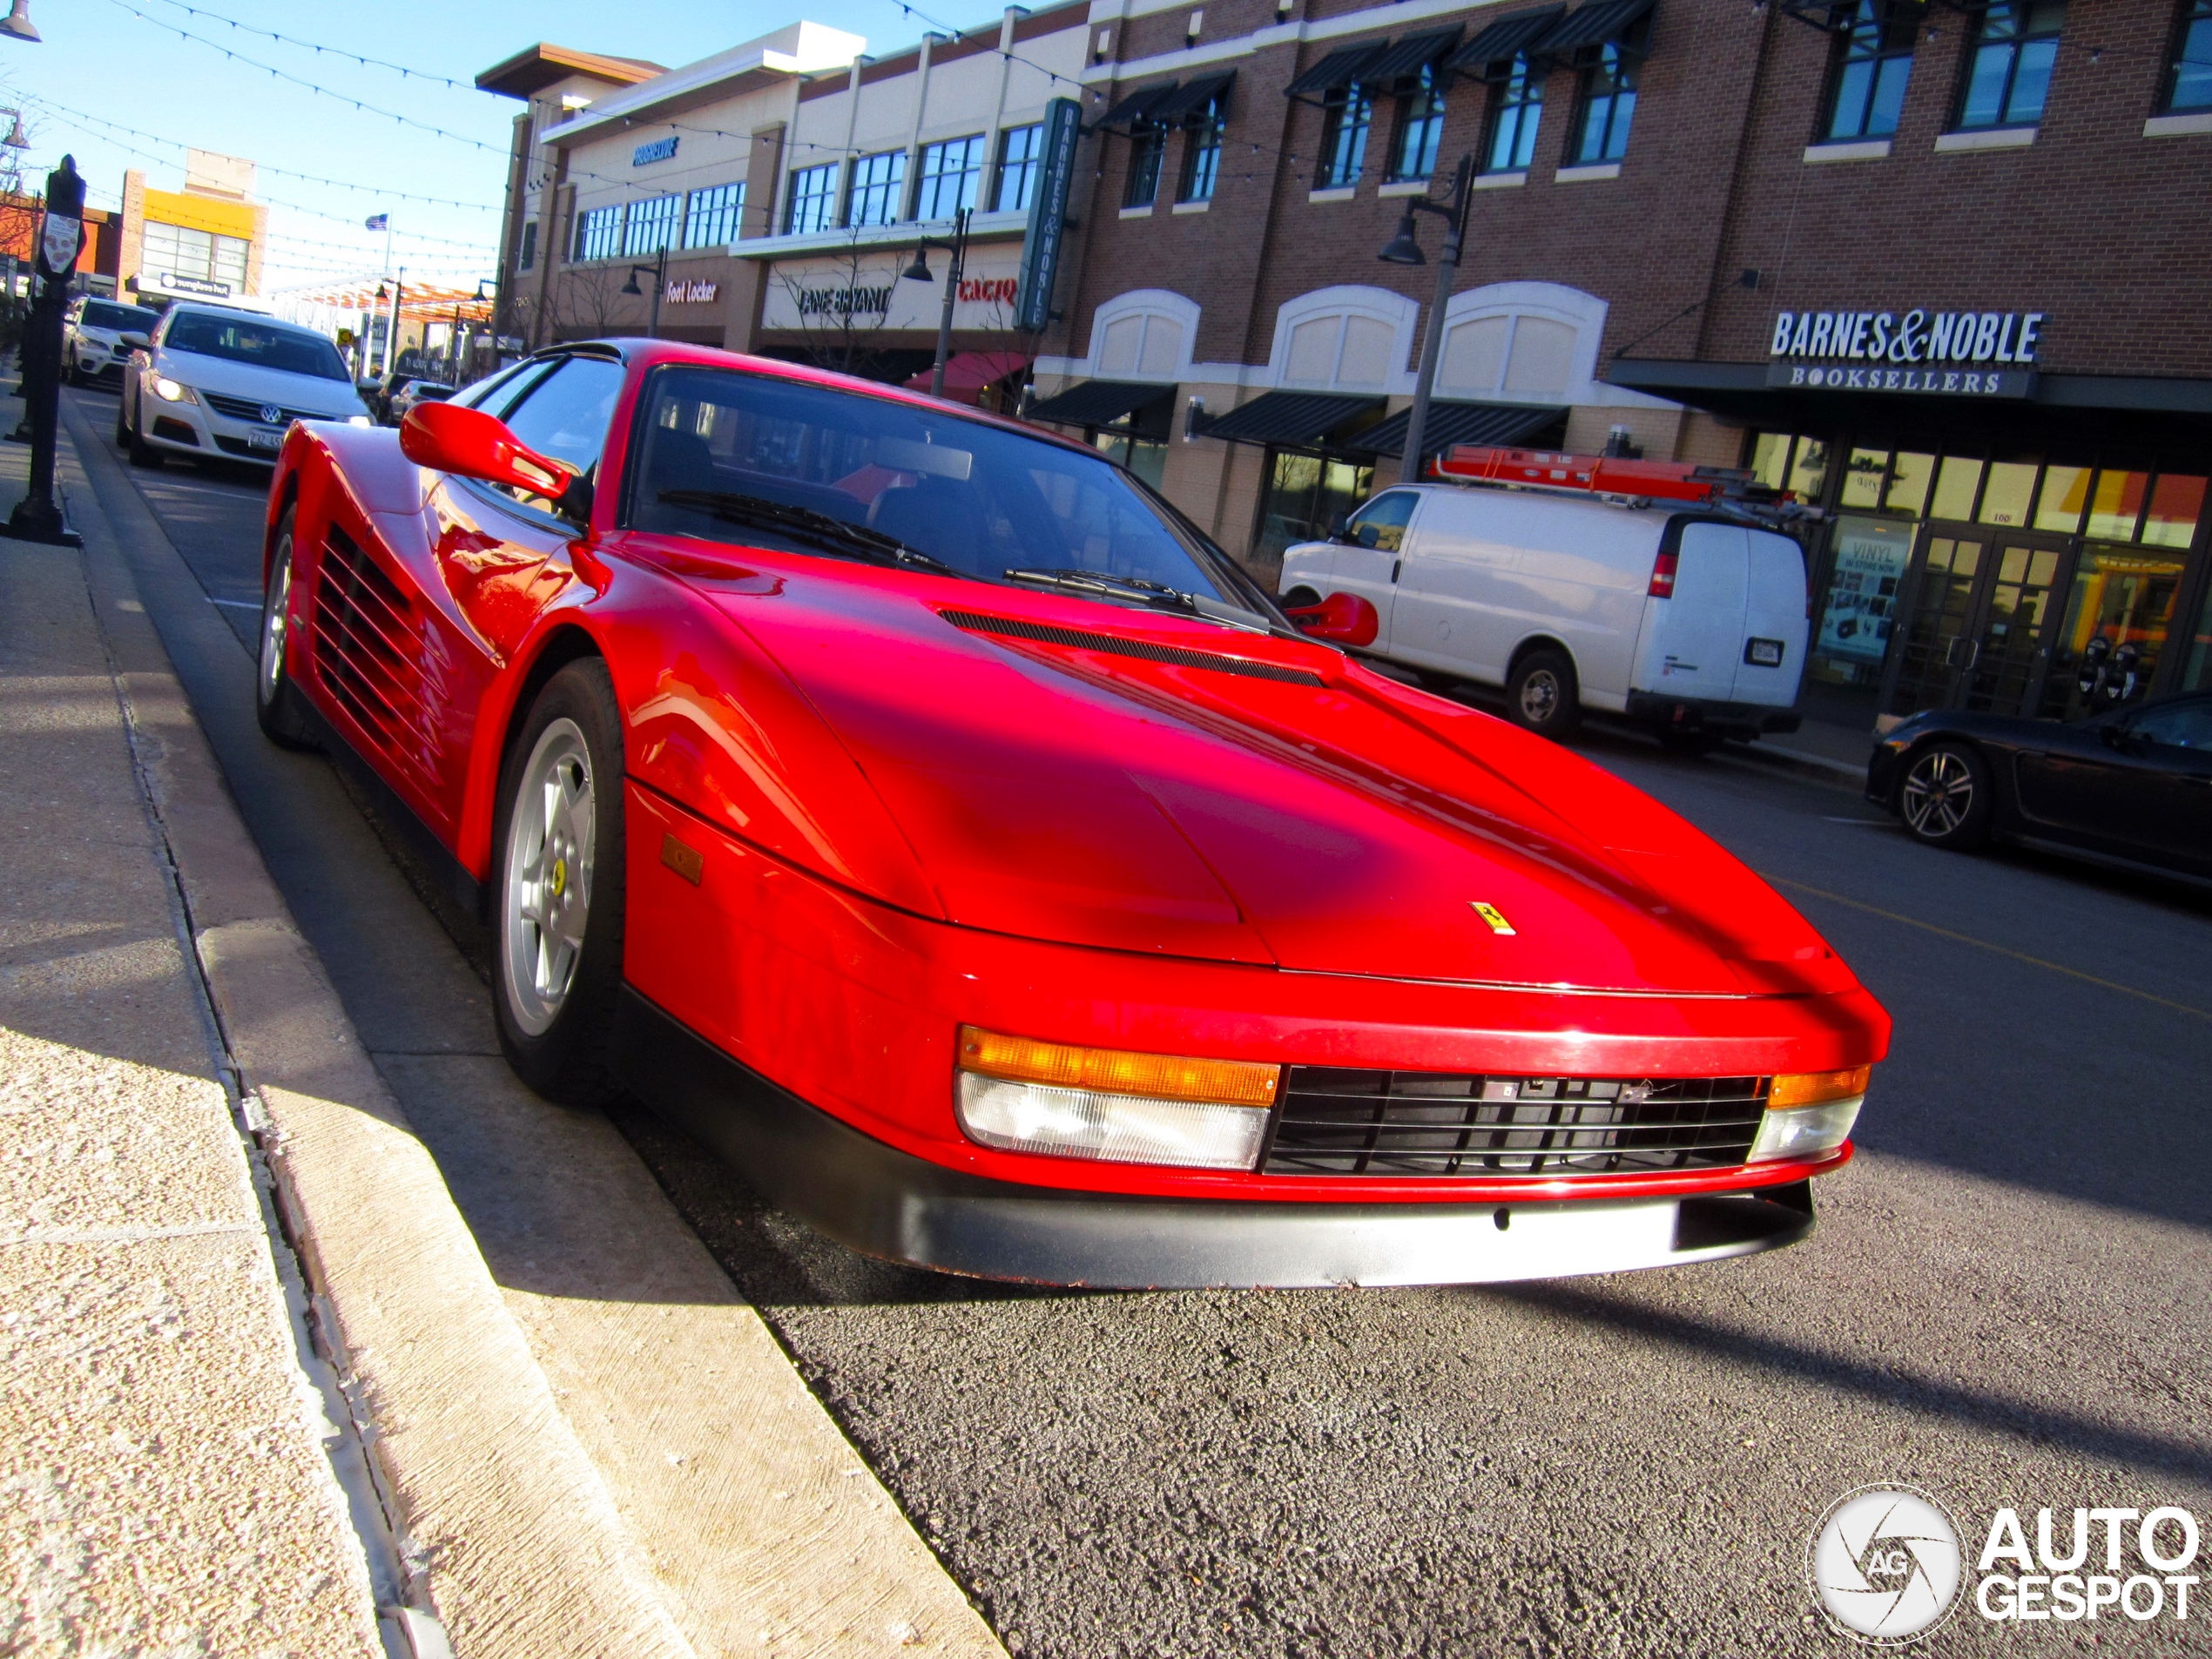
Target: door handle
point(1396, 565)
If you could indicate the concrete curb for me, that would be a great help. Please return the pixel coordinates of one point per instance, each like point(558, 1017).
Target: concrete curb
point(502, 1521)
point(534, 1521)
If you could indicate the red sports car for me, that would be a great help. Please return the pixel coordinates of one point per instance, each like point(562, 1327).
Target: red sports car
point(933, 820)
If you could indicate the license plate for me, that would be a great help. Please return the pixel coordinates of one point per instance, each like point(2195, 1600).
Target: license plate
point(1763, 653)
point(270, 442)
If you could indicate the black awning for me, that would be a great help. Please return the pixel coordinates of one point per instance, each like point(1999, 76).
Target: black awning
point(1137, 105)
point(1099, 402)
point(1507, 38)
point(1411, 56)
point(1339, 69)
point(1450, 423)
point(1302, 418)
point(1594, 23)
point(1191, 97)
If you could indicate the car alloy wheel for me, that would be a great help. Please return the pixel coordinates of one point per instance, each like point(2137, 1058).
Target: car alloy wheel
point(548, 902)
point(278, 704)
point(1945, 797)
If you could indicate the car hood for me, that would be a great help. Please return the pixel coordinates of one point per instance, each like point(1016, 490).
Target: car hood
point(332, 398)
point(1097, 776)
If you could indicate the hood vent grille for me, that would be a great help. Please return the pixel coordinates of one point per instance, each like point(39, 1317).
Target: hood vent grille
point(1115, 645)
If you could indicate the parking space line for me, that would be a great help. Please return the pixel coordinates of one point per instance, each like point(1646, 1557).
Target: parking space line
point(1983, 944)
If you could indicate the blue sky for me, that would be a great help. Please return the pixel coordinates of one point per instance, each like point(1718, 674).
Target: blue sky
point(122, 63)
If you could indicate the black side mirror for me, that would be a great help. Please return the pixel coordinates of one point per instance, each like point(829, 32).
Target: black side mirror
point(136, 342)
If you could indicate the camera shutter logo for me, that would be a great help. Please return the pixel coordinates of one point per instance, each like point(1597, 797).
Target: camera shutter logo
point(1885, 1565)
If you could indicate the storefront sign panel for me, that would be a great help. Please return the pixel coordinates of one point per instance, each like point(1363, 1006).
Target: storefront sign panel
point(867, 294)
point(1939, 382)
point(1871, 559)
point(1907, 338)
point(1048, 216)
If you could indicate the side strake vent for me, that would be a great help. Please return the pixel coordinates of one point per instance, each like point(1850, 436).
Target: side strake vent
point(1083, 639)
point(368, 648)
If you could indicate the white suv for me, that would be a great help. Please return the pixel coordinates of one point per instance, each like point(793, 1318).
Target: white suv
point(214, 383)
point(92, 348)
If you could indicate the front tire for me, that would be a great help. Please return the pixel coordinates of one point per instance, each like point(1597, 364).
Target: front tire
point(1542, 695)
point(1944, 800)
point(278, 704)
point(142, 453)
point(557, 881)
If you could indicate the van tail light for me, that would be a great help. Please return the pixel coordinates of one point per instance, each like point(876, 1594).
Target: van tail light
point(1662, 577)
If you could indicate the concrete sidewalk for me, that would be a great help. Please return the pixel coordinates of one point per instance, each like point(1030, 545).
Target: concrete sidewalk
point(167, 1472)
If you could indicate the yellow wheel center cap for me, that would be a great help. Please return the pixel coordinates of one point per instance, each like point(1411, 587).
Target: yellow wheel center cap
point(560, 876)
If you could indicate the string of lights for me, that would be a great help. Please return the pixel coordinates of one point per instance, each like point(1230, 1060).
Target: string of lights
point(317, 47)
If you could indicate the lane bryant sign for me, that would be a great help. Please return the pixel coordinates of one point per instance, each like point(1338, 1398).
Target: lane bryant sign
point(1958, 354)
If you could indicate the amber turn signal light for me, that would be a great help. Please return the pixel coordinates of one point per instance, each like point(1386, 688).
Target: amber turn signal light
point(1816, 1087)
point(1158, 1077)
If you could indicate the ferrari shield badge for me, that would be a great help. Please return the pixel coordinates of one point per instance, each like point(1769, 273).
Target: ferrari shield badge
point(1494, 916)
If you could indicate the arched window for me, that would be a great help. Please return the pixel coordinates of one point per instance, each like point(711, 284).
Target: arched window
point(1527, 343)
point(1344, 339)
point(1145, 335)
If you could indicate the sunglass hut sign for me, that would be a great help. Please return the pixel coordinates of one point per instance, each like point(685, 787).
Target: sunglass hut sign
point(1948, 354)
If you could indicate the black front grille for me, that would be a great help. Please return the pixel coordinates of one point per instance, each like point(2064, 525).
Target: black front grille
point(1336, 1120)
point(246, 408)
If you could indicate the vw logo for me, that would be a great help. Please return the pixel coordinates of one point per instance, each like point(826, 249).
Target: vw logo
point(272, 416)
point(1886, 1565)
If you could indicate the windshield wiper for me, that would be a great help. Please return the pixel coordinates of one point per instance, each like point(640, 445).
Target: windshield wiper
point(1143, 591)
point(803, 523)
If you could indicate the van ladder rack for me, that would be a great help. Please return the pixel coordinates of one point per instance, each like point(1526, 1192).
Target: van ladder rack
point(1726, 489)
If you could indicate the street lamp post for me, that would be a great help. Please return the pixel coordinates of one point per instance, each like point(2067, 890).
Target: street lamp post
point(659, 268)
point(919, 271)
point(1404, 248)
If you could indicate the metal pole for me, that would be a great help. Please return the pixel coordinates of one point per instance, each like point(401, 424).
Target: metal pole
point(392, 346)
point(660, 285)
point(1447, 268)
point(952, 292)
point(38, 516)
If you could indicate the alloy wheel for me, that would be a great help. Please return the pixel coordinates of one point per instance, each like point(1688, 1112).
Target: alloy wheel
point(1939, 793)
point(276, 624)
point(548, 899)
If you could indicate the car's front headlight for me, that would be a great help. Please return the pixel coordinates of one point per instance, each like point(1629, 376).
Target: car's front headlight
point(1809, 1115)
point(171, 391)
point(359, 420)
point(1022, 1096)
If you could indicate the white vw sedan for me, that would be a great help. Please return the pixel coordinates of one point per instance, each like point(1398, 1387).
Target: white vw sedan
point(213, 383)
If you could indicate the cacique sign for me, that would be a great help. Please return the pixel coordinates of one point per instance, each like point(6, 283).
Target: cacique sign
point(1956, 354)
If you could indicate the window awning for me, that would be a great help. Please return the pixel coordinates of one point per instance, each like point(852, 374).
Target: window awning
point(1099, 402)
point(1137, 105)
point(1412, 55)
point(1304, 418)
point(1450, 423)
point(1190, 98)
point(1507, 38)
point(1339, 69)
point(1595, 23)
point(967, 373)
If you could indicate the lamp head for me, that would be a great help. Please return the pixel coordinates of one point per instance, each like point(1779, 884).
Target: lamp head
point(630, 287)
point(17, 24)
point(17, 139)
point(919, 271)
point(1404, 248)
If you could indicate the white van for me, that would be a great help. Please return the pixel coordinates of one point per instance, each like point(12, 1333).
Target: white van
point(1685, 618)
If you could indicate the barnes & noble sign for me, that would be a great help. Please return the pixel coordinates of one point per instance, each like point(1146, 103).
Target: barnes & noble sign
point(1948, 354)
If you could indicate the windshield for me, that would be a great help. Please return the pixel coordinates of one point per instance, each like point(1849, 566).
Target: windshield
point(984, 500)
point(98, 314)
point(248, 340)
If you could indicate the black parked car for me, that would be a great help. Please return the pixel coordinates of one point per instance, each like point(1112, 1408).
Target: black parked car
point(2134, 783)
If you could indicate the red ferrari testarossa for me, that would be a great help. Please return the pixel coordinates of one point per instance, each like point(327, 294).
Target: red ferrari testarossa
point(933, 820)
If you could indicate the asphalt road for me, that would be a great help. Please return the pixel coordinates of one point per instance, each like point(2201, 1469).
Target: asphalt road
point(2005, 1303)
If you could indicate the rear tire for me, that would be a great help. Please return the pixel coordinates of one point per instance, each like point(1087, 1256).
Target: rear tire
point(557, 888)
point(278, 704)
point(1944, 800)
point(1542, 695)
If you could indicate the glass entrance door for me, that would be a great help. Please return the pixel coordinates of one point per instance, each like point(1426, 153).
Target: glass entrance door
point(1974, 637)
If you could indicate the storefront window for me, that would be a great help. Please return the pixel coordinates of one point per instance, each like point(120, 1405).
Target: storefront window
point(2118, 504)
point(2058, 506)
point(1146, 457)
point(2005, 497)
point(2175, 504)
point(1854, 632)
point(1809, 469)
point(1909, 474)
point(1863, 476)
point(2116, 622)
point(2197, 672)
point(1957, 483)
point(1305, 495)
point(1770, 458)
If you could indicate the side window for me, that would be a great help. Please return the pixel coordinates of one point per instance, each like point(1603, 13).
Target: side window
point(1866, 78)
point(1381, 524)
point(2178, 725)
point(565, 414)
